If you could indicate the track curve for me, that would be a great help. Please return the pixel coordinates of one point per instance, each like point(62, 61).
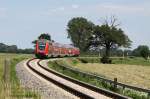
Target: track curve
point(75, 87)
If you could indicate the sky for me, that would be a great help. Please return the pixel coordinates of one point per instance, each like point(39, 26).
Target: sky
point(22, 21)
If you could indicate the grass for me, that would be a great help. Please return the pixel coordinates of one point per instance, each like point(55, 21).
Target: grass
point(134, 72)
point(132, 61)
point(129, 74)
point(13, 89)
point(94, 81)
point(119, 60)
point(4, 56)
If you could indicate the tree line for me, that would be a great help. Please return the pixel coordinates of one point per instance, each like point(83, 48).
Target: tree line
point(140, 51)
point(106, 37)
point(14, 49)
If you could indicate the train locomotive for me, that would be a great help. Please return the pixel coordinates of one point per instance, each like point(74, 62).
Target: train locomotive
point(45, 49)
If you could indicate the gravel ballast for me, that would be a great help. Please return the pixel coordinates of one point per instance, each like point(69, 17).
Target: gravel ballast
point(47, 89)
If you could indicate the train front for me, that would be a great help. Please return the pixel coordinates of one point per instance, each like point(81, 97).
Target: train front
point(41, 49)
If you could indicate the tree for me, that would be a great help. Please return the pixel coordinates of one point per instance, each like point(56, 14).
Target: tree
point(43, 36)
point(109, 36)
point(79, 30)
point(141, 50)
point(34, 42)
point(14, 49)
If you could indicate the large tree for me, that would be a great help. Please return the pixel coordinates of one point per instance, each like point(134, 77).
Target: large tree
point(142, 50)
point(109, 36)
point(43, 36)
point(79, 30)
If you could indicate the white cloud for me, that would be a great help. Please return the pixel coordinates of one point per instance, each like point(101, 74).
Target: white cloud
point(61, 8)
point(122, 8)
point(75, 6)
point(111, 8)
point(103, 9)
point(3, 12)
point(57, 9)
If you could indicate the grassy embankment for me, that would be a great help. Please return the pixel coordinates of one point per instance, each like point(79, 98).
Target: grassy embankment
point(13, 89)
point(135, 72)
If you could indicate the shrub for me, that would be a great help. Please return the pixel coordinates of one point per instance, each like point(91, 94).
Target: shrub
point(83, 60)
point(106, 60)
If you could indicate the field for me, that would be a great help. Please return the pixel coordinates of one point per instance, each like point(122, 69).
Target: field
point(130, 71)
point(4, 56)
point(12, 89)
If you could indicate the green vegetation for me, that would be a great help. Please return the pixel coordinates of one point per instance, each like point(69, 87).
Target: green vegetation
point(118, 60)
point(14, 49)
point(79, 31)
point(109, 36)
point(132, 61)
point(103, 40)
point(92, 80)
point(89, 60)
point(86, 35)
point(10, 56)
point(43, 36)
point(142, 50)
point(129, 71)
point(13, 89)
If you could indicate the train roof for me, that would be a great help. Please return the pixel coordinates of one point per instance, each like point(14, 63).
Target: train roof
point(43, 40)
point(63, 45)
point(58, 44)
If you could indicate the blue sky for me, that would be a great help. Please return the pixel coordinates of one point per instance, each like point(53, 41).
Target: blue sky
point(21, 21)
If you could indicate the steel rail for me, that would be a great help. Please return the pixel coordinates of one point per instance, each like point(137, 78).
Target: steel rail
point(69, 89)
point(86, 85)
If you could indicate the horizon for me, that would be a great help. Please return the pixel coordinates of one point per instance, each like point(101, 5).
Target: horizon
point(22, 22)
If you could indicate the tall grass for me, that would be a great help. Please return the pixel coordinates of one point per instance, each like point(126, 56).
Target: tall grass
point(17, 90)
point(12, 89)
point(132, 61)
point(97, 82)
point(118, 60)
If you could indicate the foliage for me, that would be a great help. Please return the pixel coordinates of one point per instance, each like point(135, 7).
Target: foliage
point(79, 30)
point(85, 35)
point(26, 51)
point(115, 52)
point(34, 42)
point(119, 60)
point(142, 50)
point(89, 60)
point(45, 36)
point(14, 49)
point(74, 73)
point(7, 48)
point(105, 60)
point(109, 37)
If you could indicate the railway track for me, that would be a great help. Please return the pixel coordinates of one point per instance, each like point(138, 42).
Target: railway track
point(73, 86)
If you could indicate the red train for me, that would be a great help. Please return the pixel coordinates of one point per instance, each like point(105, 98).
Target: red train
point(45, 48)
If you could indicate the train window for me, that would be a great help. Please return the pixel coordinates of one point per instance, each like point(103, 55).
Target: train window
point(41, 45)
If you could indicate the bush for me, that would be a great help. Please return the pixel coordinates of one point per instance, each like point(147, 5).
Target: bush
point(89, 60)
point(83, 61)
point(131, 56)
point(106, 60)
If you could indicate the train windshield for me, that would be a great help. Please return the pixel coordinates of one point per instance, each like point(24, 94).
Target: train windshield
point(42, 45)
